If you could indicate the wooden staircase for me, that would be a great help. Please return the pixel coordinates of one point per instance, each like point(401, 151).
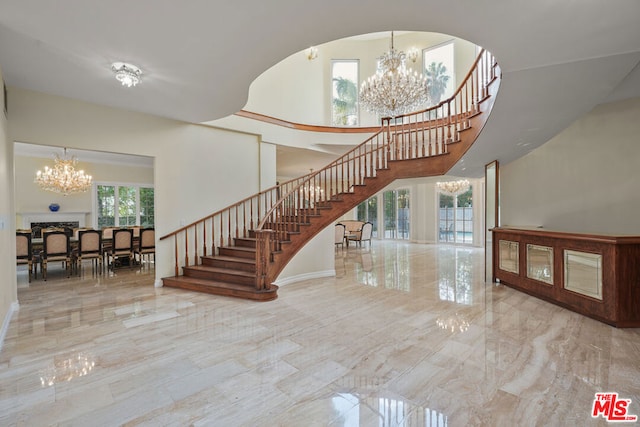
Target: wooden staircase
point(240, 250)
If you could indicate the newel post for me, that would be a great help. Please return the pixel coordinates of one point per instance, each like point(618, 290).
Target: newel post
point(263, 257)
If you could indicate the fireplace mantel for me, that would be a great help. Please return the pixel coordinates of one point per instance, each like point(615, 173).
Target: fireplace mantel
point(29, 217)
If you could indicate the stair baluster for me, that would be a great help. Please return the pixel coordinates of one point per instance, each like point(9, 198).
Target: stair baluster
point(287, 215)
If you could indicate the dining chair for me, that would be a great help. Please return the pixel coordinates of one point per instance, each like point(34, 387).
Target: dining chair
point(122, 246)
point(24, 250)
point(55, 247)
point(363, 235)
point(339, 235)
point(89, 247)
point(147, 245)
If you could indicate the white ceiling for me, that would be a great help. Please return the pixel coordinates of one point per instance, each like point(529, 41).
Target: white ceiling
point(559, 59)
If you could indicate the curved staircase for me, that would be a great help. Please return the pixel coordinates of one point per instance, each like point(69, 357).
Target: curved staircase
point(240, 250)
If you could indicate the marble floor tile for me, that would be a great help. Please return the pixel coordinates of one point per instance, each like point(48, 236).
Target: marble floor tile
point(404, 335)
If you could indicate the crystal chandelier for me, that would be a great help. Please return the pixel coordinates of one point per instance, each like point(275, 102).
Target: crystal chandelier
point(63, 177)
point(127, 74)
point(393, 90)
point(454, 188)
point(309, 192)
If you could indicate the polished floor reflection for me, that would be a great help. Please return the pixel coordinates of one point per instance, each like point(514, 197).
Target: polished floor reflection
point(404, 335)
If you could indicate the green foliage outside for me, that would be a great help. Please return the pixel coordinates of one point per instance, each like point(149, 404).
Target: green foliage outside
point(345, 102)
point(147, 213)
point(437, 80)
point(465, 200)
point(127, 215)
point(106, 206)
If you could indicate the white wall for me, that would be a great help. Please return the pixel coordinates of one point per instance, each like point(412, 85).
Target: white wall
point(198, 169)
point(268, 172)
point(315, 259)
point(30, 198)
point(583, 180)
point(299, 90)
point(8, 287)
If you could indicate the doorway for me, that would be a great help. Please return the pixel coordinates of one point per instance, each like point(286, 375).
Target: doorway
point(455, 217)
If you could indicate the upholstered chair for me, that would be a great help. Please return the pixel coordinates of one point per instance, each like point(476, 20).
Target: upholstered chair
point(55, 247)
point(147, 245)
point(122, 246)
point(24, 250)
point(339, 235)
point(90, 247)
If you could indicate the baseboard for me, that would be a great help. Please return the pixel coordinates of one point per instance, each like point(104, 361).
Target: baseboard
point(7, 319)
point(158, 283)
point(305, 276)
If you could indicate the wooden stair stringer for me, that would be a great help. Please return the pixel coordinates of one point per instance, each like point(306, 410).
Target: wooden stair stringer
point(242, 253)
point(428, 166)
point(397, 169)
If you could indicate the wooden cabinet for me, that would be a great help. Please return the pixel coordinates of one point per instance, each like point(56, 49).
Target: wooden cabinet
point(594, 275)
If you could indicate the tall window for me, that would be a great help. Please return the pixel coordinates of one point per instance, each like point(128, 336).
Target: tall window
point(455, 218)
point(396, 214)
point(439, 71)
point(124, 205)
point(344, 92)
point(403, 214)
point(367, 211)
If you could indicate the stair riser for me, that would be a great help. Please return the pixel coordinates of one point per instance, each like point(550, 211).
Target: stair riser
point(220, 277)
point(286, 227)
point(235, 253)
point(240, 266)
point(245, 243)
point(248, 294)
point(284, 235)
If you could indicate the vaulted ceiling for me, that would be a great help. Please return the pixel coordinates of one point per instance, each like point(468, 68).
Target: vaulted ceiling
point(559, 59)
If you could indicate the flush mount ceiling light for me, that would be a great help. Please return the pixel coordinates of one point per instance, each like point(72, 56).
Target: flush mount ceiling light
point(127, 74)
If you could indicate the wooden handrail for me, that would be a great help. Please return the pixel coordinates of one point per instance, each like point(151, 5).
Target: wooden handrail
point(305, 127)
point(273, 214)
point(275, 187)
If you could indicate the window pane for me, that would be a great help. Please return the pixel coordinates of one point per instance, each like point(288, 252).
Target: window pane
point(344, 93)
point(438, 69)
point(403, 214)
point(147, 217)
point(126, 206)
point(389, 200)
point(106, 206)
point(372, 214)
point(361, 211)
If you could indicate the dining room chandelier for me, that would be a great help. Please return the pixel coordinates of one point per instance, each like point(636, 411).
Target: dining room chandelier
point(63, 177)
point(393, 90)
point(454, 188)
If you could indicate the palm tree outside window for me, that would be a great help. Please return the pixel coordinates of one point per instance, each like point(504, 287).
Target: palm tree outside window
point(344, 86)
point(438, 64)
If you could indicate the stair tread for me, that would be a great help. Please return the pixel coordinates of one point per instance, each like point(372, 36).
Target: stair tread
point(221, 270)
point(225, 258)
point(239, 248)
point(216, 284)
